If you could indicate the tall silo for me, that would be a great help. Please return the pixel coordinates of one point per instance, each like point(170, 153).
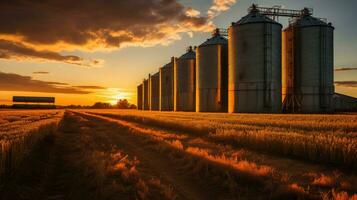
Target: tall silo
point(167, 86)
point(146, 94)
point(140, 97)
point(185, 82)
point(308, 84)
point(212, 75)
point(154, 91)
point(255, 64)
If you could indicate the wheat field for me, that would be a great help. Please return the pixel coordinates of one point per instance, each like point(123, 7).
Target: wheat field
point(127, 154)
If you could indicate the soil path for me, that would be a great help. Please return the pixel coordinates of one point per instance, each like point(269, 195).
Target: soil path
point(155, 164)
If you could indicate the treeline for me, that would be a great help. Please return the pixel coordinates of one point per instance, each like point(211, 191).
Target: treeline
point(121, 104)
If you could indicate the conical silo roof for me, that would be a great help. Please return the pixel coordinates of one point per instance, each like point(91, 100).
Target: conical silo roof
point(308, 20)
point(216, 38)
point(254, 16)
point(190, 54)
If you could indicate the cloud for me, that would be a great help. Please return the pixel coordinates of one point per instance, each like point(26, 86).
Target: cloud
point(91, 87)
point(16, 50)
point(15, 82)
point(192, 12)
point(59, 25)
point(351, 84)
point(40, 72)
point(346, 69)
point(219, 6)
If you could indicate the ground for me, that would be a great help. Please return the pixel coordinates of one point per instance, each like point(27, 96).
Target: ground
point(111, 154)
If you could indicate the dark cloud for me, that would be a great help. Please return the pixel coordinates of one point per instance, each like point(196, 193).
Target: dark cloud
point(15, 82)
point(95, 23)
point(16, 50)
point(40, 72)
point(91, 87)
point(352, 84)
point(346, 69)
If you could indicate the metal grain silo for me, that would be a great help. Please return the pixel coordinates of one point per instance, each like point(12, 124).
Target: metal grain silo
point(185, 82)
point(167, 86)
point(140, 97)
point(146, 94)
point(212, 75)
point(154, 91)
point(308, 84)
point(255, 64)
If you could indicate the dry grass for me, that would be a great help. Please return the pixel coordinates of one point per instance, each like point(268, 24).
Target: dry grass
point(19, 132)
point(204, 146)
point(329, 139)
point(232, 156)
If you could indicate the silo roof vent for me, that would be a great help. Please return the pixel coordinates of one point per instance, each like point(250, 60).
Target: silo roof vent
point(254, 16)
point(216, 38)
point(190, 54)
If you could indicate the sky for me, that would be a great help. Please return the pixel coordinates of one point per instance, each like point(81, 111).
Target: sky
point(88, 51)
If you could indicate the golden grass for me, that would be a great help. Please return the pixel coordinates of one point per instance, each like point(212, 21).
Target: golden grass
point(19, 132)
point(329, 139)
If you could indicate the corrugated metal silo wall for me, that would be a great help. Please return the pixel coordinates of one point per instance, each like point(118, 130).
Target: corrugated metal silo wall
point(311, 69)
point(146, 95)
point(255, 68)
point(212, 78)
point(185, 85)
point(154, 83)
point(166, 88)
point(290, 100)
point(140, 97)
point(316, 65)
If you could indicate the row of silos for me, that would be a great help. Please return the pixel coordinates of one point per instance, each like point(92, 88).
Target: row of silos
point(269, 70)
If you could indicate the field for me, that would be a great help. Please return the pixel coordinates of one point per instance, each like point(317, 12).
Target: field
point(123, 154)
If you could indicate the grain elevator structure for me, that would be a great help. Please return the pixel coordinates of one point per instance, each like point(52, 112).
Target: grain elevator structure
point(145, 95)
point(154, 91)
point(185, 81)
point(166, 102)
point(255, 64)
point(260, 68)
point(212, 74)
point(140, 97)
point(308, 65)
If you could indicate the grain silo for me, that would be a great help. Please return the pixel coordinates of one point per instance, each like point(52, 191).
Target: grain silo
point(212, 75)
point(154, 91)
point(167, 86)
point(140, 97)
point(308, 65)
point(146, 94)
point(185, 82)
point(255, 64)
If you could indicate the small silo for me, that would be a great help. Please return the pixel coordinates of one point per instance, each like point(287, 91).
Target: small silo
point(146, 94)
point(308, 84)
point(154, 91)
point(255, 64)
point(212, 75)
point(140, 97)
point(167, 86)
point(185, 82)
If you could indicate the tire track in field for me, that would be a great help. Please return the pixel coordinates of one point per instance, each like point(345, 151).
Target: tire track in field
point(153, 163)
